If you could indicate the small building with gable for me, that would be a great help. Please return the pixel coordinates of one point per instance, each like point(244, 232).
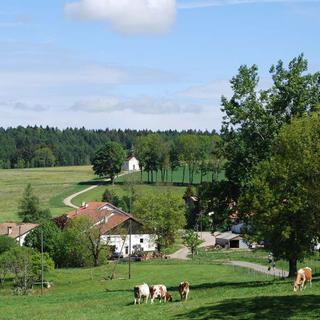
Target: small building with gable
point(132, 164)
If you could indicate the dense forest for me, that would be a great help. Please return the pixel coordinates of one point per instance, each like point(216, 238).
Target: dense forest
point(28, 147)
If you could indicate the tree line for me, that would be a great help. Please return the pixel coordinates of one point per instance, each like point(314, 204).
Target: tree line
point(33, 146)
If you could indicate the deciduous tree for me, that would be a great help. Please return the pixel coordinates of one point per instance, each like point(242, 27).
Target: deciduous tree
point(282, 200)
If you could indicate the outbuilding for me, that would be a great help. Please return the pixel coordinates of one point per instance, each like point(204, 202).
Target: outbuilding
point(132, 164)
point(231, 240)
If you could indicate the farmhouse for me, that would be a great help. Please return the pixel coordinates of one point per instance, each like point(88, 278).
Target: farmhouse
point(114, 226)
point(230, 240)
point(17, 231)
point(132, 164)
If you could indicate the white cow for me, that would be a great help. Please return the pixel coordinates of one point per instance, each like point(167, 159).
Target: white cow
point(141, 291)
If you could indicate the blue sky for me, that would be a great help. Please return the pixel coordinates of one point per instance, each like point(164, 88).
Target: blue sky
point(155, 64)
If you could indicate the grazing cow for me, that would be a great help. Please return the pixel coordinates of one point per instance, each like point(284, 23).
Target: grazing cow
point(184, 289)
point(303, 275)
point(168, 297)
point(159, 291)
point(141, 291)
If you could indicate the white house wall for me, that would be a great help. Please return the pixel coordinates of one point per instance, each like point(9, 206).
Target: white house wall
point(147, 244)
point(131, 165)
point(22, 239)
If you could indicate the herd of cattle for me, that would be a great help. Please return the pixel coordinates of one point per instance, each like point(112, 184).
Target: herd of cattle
point(159, 291)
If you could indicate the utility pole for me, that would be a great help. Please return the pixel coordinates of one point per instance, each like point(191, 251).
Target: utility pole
point(130, 248)
point(41, 262)
point(20, 235)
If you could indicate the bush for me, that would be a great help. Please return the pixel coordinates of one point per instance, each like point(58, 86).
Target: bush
point(25, 265)
point(6, 243)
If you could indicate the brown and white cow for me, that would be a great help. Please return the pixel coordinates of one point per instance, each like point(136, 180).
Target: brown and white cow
point(159, 291)
point(303, 275)
point(184, 289)
point(141, 291)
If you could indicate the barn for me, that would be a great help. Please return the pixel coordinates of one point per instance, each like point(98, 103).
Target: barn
point(231, 240)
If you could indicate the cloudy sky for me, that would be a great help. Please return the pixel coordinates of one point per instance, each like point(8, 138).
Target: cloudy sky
point(155, 64)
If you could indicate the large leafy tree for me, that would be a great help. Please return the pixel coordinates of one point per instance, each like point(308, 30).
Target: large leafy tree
point(51, 237)
point(108, 160)
point(282, 200)
point(253, 117)
point(162, 215)
point(81, 244)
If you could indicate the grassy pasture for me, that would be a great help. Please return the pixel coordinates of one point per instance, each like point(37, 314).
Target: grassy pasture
point(51, 185)
point(217, 292)
point(121, 190)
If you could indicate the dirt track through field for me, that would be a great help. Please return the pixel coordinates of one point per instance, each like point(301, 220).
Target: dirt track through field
point(68, 200)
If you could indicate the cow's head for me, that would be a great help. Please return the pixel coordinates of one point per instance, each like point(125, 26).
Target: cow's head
point(168, 297)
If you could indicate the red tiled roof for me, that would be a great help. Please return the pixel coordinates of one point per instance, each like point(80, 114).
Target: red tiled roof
point(97, 211)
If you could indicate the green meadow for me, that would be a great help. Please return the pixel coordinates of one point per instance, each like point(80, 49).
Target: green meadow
point(217, 292)
point(51, 185)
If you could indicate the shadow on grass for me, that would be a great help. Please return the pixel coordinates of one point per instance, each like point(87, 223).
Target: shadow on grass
point(93, 183)
point(229, 285)
point(259, 308)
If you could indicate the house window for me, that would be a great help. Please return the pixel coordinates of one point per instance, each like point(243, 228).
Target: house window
point(141, 240)
point(108, 238)
point(127, 249)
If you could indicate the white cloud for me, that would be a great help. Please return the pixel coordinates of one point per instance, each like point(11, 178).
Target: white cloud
point(140, 105)
point(193, 4)
point(127, 16)
point(208, 91)
point(22, 106)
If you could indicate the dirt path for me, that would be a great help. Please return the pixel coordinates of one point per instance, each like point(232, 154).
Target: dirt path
point(209, 240)
point(68, 200)
point(182, 253)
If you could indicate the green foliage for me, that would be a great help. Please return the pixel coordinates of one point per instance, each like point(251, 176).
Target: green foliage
point(29, 207)
point(70, 146)
point(192, 241)
point(108, 160)
point(6, 243)
point(283, 198)
point(51, 238)
point(162, 214)
point(253, 118)
point(81, 245)
point(215, 197)
point(112, 197)
point(25, 265)
point(43, 157)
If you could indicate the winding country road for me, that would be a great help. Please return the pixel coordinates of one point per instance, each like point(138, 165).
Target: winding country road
point(68, 200)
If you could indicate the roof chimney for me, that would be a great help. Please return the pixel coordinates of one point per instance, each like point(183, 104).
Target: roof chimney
point(9, 230)
point(83, 205)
